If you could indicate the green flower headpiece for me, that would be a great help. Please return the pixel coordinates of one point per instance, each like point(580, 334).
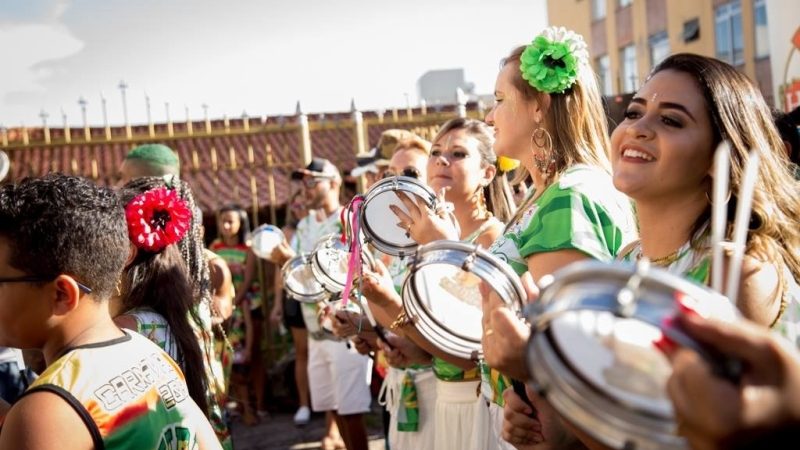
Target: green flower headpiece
point(551, 62)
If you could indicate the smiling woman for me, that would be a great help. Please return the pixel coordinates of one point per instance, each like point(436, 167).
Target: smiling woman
point(662, 157)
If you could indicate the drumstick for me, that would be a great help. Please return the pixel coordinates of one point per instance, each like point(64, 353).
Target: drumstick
point(719, 213)
point(742, 224)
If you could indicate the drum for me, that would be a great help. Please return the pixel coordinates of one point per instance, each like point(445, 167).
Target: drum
point(264, 239)
point(441, 294)
point(591, 351)
point(329, 262)
point(299, 280)
point(378, 222)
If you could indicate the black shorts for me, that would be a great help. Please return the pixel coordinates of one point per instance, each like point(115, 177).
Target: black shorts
point(292, 315)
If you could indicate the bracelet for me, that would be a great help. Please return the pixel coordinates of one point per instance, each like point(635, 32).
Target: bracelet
point(401, 320)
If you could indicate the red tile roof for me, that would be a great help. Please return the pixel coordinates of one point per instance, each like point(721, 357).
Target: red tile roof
point(227, 165)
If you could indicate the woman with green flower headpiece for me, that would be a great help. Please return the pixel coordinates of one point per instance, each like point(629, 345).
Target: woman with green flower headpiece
point(549, 115)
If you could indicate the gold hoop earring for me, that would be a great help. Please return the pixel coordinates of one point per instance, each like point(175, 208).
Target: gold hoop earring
point(542, 149)
point(711, 202)
point(483, 210)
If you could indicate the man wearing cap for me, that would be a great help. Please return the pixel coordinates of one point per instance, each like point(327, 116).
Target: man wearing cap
point(338, 376)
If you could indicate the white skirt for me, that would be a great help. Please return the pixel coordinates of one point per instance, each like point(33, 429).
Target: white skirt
point(489, 426)
point(455, 414)
point(425, 382)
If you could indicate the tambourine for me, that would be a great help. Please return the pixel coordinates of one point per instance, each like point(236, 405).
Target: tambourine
point(592, 355)
point(328, 310)
point(441, 294)
point(329, 262)
point(264, 239)
point(378, 222)
point(300, 282)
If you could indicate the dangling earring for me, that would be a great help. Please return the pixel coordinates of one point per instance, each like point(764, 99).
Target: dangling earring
point(542, 149)
point(483, 210)
point(119, 291)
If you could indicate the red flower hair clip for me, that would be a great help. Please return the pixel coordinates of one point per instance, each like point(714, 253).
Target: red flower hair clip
point(157, 218)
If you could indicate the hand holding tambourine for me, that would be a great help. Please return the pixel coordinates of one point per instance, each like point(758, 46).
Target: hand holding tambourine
point(424, 224)
point(505, 336)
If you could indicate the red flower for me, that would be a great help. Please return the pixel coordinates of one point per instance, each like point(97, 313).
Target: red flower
point(157, 218)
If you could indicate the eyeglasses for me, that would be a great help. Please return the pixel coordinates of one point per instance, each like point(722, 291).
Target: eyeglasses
point(40, 279)
point(411, 172)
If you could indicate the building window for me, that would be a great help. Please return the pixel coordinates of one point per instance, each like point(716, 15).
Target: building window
point(598, 9)
point(760, 18)
point(604, 73)
point(624, 3)
point(730, 43)
point(659, 47)
point(630, 79)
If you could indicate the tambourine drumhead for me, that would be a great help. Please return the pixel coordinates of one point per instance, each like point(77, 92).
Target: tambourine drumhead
point(441, 294)
point(299, 280)
point(596, 363)
point(329, 262)
point(378, 222)
point(265, 239)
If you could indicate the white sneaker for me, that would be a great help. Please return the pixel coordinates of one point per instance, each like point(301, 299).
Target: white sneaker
point(302, 416)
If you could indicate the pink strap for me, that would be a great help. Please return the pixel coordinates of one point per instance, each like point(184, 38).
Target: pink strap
point(354, 264)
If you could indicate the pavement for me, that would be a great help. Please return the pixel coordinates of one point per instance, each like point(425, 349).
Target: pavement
point(279, 432)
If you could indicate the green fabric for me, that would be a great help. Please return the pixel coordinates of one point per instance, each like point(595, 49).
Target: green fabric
point(156, 154)
point(408, 413)
point(581, 211)
point(450, 372)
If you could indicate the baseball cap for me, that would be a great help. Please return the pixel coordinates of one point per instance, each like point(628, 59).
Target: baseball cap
point(318, 167)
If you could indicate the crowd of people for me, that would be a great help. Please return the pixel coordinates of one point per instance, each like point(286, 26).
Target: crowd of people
point(150, 340)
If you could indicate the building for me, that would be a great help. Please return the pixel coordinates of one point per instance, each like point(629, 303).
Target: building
point(627, 38)
point(438, 87)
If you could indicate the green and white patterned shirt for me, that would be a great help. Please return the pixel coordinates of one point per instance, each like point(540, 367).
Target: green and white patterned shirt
point(581, 211)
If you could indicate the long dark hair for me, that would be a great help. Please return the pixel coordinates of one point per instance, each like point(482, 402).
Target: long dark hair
point(162, 282)
point(739, 114)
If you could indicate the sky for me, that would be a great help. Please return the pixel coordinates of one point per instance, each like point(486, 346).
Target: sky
point(258, 56)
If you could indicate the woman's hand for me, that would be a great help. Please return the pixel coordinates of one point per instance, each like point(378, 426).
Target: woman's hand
point(505, 336)
point(422, 224)
point(378, 287)
point(520, 428)
point(402, 352)
point(714, 413)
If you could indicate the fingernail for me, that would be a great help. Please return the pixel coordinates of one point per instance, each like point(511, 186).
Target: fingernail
point(665, 344)
point(686, 304)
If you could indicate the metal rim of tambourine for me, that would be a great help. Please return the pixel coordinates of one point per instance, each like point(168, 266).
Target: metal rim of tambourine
point(470, 258)
point(257, 239)
point(606, 417)
point(406, 246)
point(5, 165)
point(299, 262)
point(332, 242)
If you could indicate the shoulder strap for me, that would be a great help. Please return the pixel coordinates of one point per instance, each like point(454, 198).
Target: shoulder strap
point(97, 439)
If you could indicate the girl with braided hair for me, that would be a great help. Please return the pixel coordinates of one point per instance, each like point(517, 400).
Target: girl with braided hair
point(187, 277)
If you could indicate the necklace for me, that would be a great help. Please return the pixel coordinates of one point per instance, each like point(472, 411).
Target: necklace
point(663, 261)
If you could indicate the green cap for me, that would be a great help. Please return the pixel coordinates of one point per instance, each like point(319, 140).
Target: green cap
point(157, 154)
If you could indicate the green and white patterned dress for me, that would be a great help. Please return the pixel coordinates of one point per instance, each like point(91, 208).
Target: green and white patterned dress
point(580, 211)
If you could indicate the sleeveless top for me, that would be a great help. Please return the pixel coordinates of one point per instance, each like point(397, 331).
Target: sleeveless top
point(580, 211)
point(128, 392)
point(236, 258)
point(154, 326)
point(693, 262)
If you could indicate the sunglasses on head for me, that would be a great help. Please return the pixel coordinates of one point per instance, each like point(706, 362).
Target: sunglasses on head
point(411, 172)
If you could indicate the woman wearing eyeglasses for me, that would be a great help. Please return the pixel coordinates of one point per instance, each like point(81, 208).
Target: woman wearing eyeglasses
point(462, 170)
